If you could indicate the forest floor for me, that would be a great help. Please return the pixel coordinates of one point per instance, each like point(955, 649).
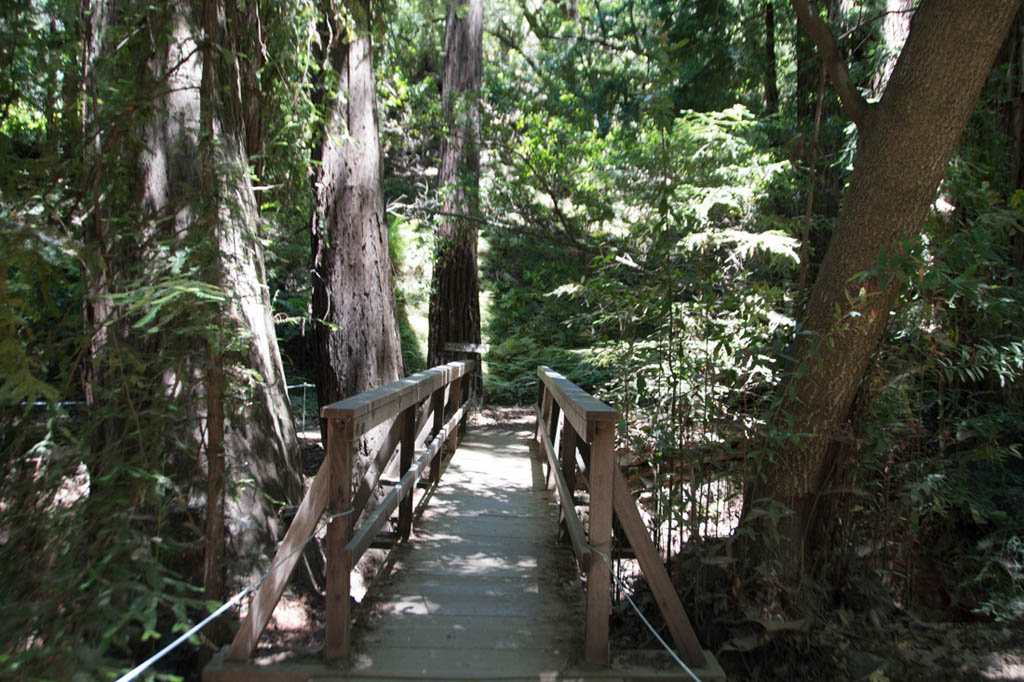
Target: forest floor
point(877, 642)
point(860, 648)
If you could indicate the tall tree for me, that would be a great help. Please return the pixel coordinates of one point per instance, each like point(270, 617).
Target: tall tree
point(356, 333)
point(905, 143)
point(181, 328)
point(455, 294)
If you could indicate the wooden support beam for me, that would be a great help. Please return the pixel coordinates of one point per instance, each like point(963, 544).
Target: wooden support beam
point(595, 648)
point(337, 635)
point(567, 503)
point(544, 401)
point(657, 577)
point(585, 411)
point(262, 605)
point(437, 410)
point(454, 400)
point(408, 419)
point(366, 534)
point(364, 411)
point(567, 454)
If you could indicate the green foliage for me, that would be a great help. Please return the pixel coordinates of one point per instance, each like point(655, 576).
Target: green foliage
point(645, 226)
point(943, 424)
point(409, 251)
point(511, 369)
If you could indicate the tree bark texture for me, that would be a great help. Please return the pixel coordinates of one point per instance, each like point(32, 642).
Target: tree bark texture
point(905, 145)
point(357, 342)
point(455, 294)
point(168, 183)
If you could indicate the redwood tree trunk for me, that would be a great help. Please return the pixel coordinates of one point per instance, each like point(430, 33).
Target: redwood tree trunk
point(455, 294)
point(906, 142)
point(356, 334)
point(170, 201)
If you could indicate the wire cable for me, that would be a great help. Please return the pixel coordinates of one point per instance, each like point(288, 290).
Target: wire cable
point(142, 667)
point(625, 591)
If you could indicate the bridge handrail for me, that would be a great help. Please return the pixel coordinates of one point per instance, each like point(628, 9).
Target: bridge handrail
point(331, 490)
point(586, 443)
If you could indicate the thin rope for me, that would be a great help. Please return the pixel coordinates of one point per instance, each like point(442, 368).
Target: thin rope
point(650, 627)
point(142, 667)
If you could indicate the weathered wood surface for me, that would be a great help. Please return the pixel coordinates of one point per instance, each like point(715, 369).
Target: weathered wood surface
point(262, 605)
point(602, 463)
point(654, 570)
point(583, 410)
point(364, 411)
point(338, 620)
point(608, 491)
point(565, 500)
point(482, 589)
point(382, 513)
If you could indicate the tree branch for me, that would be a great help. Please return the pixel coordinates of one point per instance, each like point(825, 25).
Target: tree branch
point(854, 104)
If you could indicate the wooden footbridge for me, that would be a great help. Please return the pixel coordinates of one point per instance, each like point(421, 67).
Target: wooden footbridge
point(477, 585)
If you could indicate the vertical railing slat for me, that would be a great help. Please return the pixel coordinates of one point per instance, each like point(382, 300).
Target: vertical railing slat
point(599, 576)
point(337, 633)
point(454, 401)
point(408, 445)
point(437, 406)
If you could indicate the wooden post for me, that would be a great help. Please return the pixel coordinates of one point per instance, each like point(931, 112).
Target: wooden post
point(595, 648)
point(338, 619)
point(454, 400)
point(437, 407)
point(567, 454)
point(654, 570)
point(405, 461)
point(567, 462)
point(556, 411)
point(544, 402)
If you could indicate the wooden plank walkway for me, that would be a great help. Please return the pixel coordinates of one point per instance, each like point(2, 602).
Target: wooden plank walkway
point(482, 590)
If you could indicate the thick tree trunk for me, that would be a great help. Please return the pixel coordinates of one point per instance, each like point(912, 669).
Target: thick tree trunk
point(906, 142)
point(455, 294)
point(357, 340)
point(171, 201)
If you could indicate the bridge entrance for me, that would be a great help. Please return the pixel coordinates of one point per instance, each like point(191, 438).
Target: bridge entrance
point(481, 588)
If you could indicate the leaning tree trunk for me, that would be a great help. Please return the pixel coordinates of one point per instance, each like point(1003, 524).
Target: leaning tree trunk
point(356, 334)
point(455, 294)
point(173, 225)
point(906, 142)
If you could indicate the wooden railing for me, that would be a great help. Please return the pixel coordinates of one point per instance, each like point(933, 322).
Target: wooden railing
point(331, 491)
point(585, 443)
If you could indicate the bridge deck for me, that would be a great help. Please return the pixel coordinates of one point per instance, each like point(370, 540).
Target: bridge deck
point(482, 590)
